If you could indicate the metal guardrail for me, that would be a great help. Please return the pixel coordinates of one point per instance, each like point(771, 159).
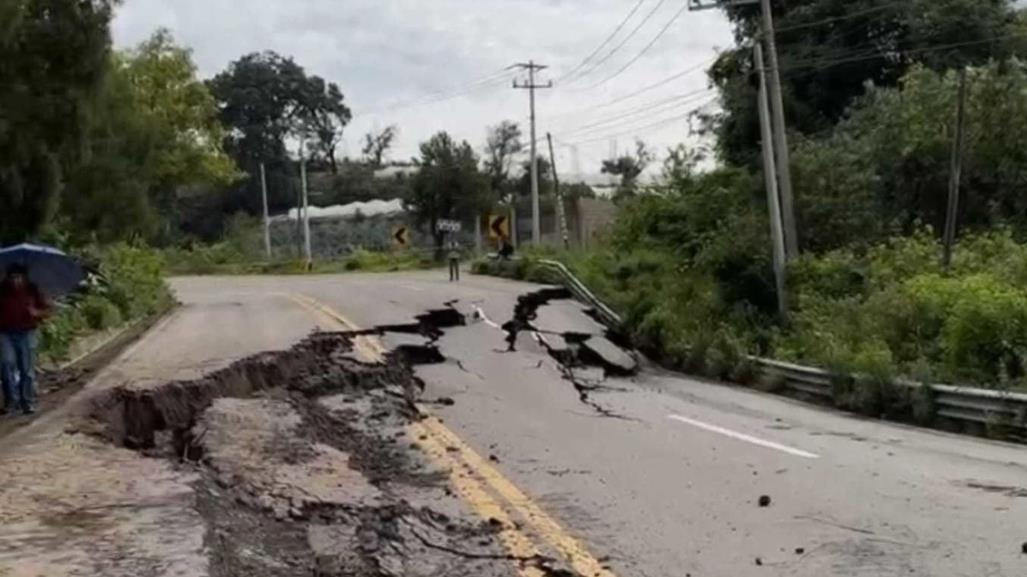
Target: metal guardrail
point(965, 404)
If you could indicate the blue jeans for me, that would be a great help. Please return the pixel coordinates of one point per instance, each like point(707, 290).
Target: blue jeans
point(17, 361)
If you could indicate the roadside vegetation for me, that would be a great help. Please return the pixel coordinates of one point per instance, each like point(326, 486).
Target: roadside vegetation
point(688, 262)
point(127, 285)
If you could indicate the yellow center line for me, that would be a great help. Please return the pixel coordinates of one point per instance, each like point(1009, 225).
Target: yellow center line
point(437, 440)
point(516, 542)
point(572, 549)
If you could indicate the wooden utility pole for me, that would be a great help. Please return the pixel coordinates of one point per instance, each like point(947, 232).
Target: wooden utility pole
point(779, 127)
point(561, 210)
point(267, 216)
point(531, 86)
point(773, 204)
point(955, 174)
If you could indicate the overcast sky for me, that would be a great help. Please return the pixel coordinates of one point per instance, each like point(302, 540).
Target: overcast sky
point(391, 57)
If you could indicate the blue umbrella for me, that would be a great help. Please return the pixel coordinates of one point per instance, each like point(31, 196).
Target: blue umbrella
point(55, 273)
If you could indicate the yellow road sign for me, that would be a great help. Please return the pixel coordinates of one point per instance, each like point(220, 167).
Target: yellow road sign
point(401, 235)
point(499, 227)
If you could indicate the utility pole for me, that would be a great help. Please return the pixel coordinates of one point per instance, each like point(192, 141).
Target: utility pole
point(561, 210)
point(952, 210)
point(536, 218)
point(307, 254)
point(780, 130)
point(267, 216)
point(773, 204)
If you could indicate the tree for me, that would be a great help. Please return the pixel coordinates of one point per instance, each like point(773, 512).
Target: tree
point(629, 168)
point(376, 145)
point(324, 119)
point(155, 135)
point(502, 145)
point(545, 181)
point(265, 99)
point(885, 167)
point(448, 184)
point(53, 57)
point(829, 50)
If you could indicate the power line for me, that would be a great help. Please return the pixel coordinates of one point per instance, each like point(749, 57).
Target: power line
point(664, 122)
point(490, 80)
point(604, 43)
point(630, 35)
point(647, 109)
point(823, 64)
point(645, 89)
point(849, 16)
point(630, 63)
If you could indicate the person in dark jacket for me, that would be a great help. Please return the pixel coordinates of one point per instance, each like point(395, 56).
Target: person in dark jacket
point(22, 308)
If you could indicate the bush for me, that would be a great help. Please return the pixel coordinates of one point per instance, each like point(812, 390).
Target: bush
point(99, 313)
point(132, 287)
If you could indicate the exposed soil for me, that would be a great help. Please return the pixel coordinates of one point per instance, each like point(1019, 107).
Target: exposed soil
point(260, 476)
point(303, 461)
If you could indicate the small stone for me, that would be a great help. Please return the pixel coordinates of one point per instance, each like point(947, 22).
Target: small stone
point(764, 501)
point(799, 550)
point(1023, 548)
point(494, 458)
point(759, 562)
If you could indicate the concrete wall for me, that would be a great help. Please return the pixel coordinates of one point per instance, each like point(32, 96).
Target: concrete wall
point(586, 219)
point(332, 238)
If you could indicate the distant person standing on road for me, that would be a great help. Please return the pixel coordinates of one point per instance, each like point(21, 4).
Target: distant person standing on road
point(454, 262)
point(506, 250)
point(22, 308)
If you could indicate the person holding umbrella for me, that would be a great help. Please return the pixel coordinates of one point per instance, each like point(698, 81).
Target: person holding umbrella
point(34, 274)
point(22, 308)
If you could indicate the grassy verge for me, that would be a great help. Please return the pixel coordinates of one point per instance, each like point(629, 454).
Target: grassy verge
point(130, 287)
point(218, 260)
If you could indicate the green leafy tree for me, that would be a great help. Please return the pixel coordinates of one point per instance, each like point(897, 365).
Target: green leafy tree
point(53, 58)
point(629, 168)
point(265, 99)
point(448, 184)
point(155, 137)
point(501, 147)
point(885, 168)
point(829, 49)
point(325, 119)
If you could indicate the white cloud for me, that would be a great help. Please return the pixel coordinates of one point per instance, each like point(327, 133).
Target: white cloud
point(383, 52)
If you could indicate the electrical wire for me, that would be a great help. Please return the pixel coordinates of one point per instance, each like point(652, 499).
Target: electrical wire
point(604, 43)
point(641, 53)
point(849, 16)
point(646, 109)
point(822, 64)
point(630, 95)
point(630, 35)
point(442, 95)
point(664, 123)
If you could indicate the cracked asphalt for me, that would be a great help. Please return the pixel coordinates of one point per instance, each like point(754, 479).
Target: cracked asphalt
point(650, 474)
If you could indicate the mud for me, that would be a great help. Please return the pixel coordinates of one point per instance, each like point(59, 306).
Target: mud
point(272, 501)
point(303, 463)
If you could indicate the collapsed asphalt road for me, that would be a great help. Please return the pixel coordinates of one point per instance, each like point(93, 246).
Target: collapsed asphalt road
point(305, 467)
point(305, 462)
point(496, 467)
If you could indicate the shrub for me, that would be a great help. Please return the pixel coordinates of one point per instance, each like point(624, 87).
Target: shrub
point(99, 313)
